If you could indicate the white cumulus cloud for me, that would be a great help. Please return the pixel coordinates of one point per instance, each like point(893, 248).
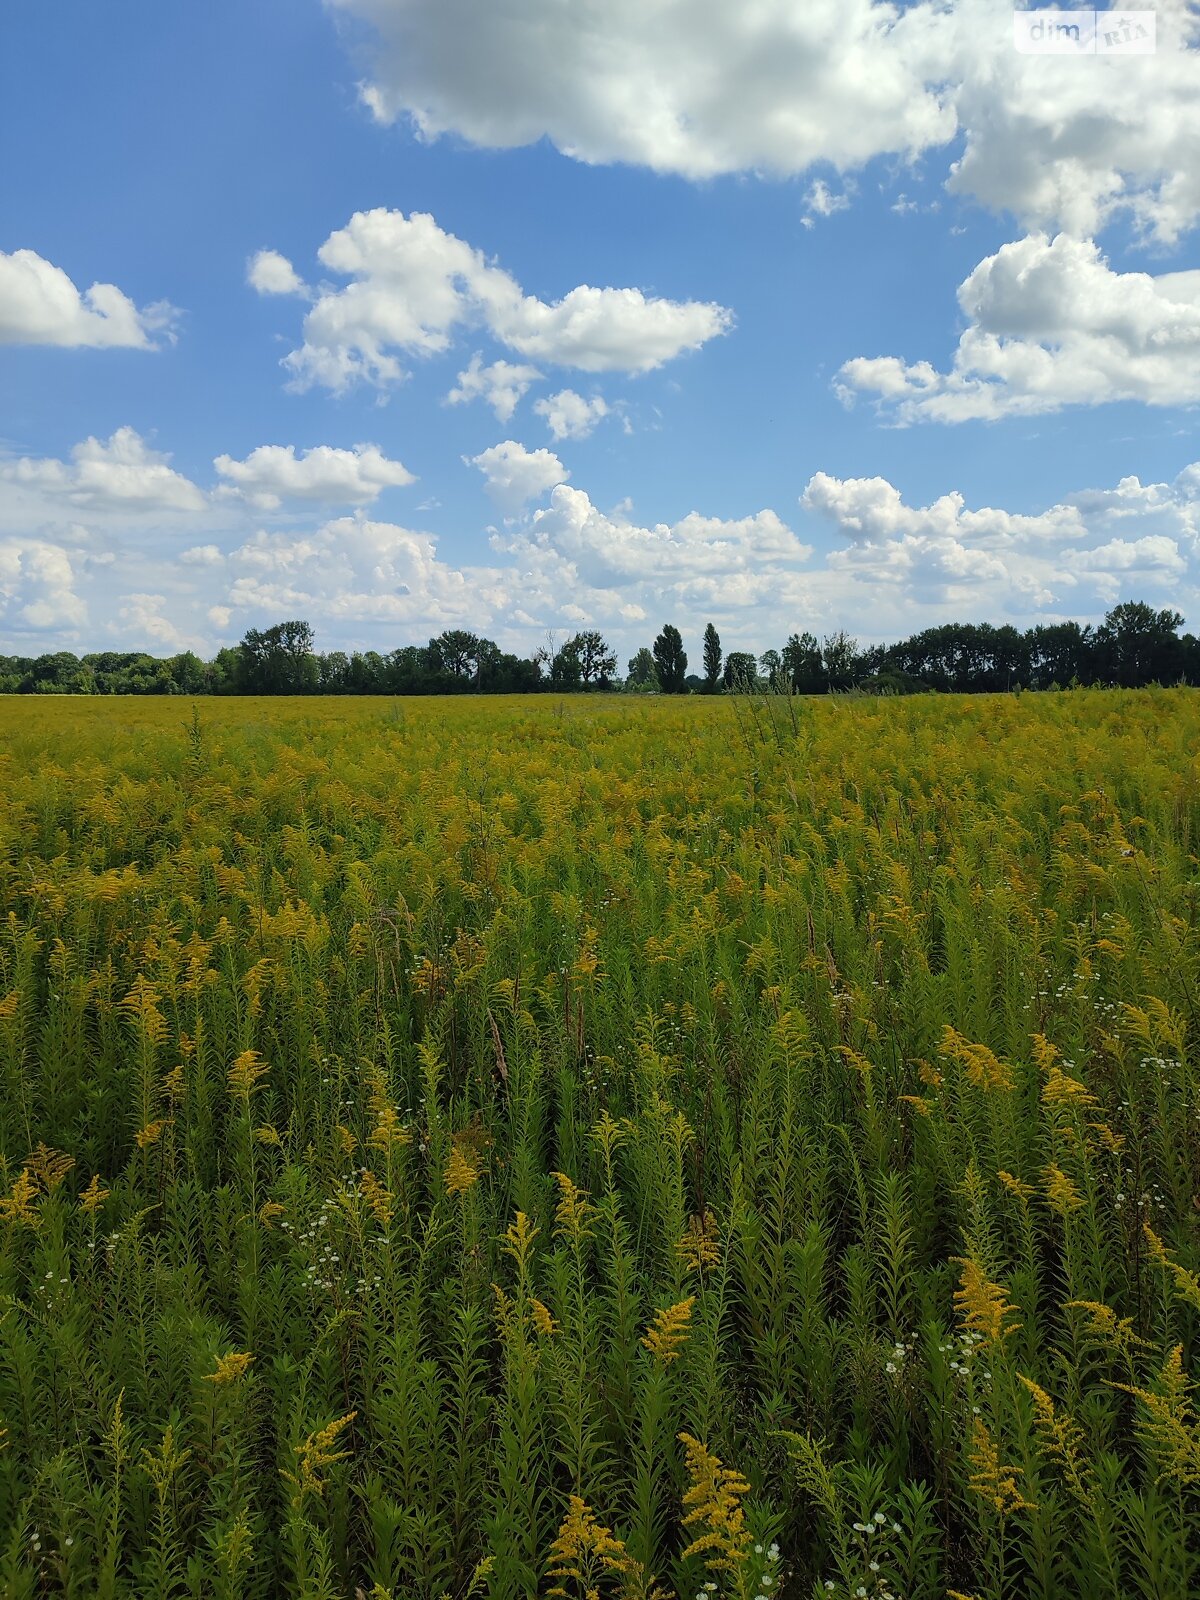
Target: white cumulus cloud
point(1050, 324)
point(39, 304)
point(571, 416)
point(274, 473)
point(270, 273)
point(701, 87)
point(413, 287)
point(122, 473)
point(514, 475)
point(501, 384)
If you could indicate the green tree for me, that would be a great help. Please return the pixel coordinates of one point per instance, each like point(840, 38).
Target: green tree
point(278, 660)
point(642, 673)
point(801, 657)
point(456, 652)
point(670, 660)
point(840, 658)
point(741, 670)
point(712, 659)
point(597, 662)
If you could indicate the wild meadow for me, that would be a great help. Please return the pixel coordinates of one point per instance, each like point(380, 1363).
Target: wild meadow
point(602, 1148)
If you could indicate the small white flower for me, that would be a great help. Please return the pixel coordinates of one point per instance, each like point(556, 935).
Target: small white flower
point(879, 1517)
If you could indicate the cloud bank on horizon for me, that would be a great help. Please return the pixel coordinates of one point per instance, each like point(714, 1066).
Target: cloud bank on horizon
point(525, 396)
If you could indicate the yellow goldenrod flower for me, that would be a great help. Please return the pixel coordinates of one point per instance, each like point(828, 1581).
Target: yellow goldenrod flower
point(230, 1367)
point(981, 1304)
point(713, 1502)
point(152, 1133)
point(378, 1197)
point(1023, 1191)
point(983, 1069)
point(49, 1166)
point(584, 1552)
point(244, 1074)
point(1060, 1090)
point(700, 1246)
point(997, 1484)
point(388, 1132)
point(542, 1320)
point(93, 1197)
point(18, 1206)
point(573, 1214)
point(315, 1456)
point(667, 1334)
point(461, 1172)
point(1061, 1194)
point(267, 1134)
point(1187, 1285)
point(140, 1005)
point(1062, 1439)
point(1170, 1428)
point(268, 1212)
point(517, 1240)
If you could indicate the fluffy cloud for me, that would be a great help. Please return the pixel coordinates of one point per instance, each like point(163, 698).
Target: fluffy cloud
point(503, 385)
point(1050, 324)
point(354, 571)
point(143, 616)
point(120, 474)
point(569, 415)
point(990, 562)
point(271, 273)
point(40, 305)
point(414, 286)
point(274, 473)
point(870, 511)
point(698, 560)
point(38, 588)
point(515, 475)
point(700, 87)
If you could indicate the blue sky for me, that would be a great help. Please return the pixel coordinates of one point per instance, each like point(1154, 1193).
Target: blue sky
point(797, 419)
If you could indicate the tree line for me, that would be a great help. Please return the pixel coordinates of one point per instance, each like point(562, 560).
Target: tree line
point(1133, 646)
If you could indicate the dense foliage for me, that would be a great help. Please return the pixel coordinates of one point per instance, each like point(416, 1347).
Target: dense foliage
point(699, 1146)
point(1134, 646)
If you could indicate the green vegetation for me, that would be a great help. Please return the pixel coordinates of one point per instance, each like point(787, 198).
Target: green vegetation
point(602, 1147)
point(1133, 647)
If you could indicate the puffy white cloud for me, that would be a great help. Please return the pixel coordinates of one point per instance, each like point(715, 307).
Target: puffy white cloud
point(270, 273)
point(990, 562)
point(870, 511)
point(39, 304)
point(821, 201)
point(502, 384)
point(38, 581)
point(1071, 144)
point(1050, 324)
point(121, 474)
point(515, 475)
point(143, 617)
point(353, 572)
point(571, 416)
point(696, 558)
point(700, 87)
point(414, 286)
point(274, 473)
point(202, 555)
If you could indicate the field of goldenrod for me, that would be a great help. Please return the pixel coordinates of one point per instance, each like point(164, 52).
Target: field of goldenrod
point(615, 1148)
